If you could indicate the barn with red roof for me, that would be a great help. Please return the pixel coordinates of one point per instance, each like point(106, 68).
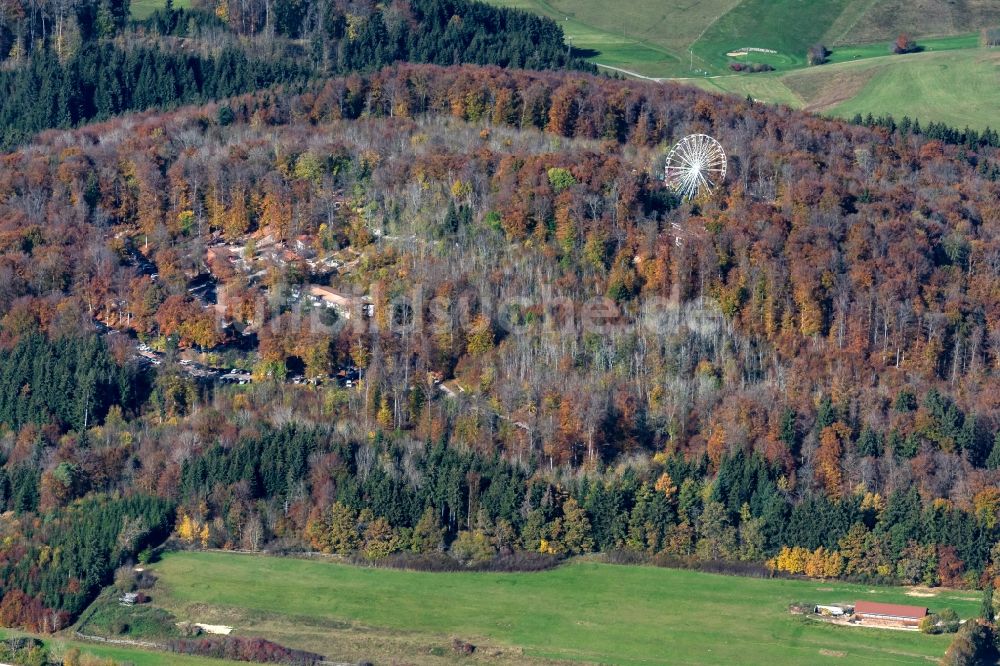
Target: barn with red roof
point(889, 613)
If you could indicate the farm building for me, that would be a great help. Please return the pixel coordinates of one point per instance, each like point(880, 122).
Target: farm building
point(889, 613)
point(833, 611)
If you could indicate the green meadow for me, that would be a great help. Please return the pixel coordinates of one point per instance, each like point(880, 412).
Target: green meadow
point(58, 646)
point(681, 38)
point(143, 8)
point(583, 611)
point(789, 27)
point(620, 47)
point(960, 87)
point(689, 41)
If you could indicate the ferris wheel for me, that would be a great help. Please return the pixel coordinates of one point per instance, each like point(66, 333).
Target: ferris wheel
point(695, 166)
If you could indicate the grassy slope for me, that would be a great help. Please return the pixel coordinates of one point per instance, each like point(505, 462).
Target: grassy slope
point(930, 45)
point(652, 37)
point(960, 87)
point(786, 26)
point(859, 79)
point(136, 656)
point(957, 88)
point(670, 24)
point(143, 8)
point(582, 611)
point(608, 47)
point(884, 19)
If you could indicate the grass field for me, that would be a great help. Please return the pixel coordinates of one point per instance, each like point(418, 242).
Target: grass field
point(584, 611)
point(616, 48)
point(879, 20)
point(958, 87)
point(653, 39)
point(786, 26)
point(143, 8)
point(58, 647)
point(678, 38)
point(850, 53)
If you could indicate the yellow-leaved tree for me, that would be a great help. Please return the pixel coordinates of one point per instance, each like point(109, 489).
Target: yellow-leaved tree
point(481, 337)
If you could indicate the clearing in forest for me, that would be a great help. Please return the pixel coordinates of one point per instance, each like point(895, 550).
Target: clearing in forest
point(143, 8)
point(582, 611)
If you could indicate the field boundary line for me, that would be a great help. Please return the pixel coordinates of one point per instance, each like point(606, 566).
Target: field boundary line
point(121, 641)
point(160, 647)
point(544, 8)
point(706, 28)
point(631, 73)
point(869, 5)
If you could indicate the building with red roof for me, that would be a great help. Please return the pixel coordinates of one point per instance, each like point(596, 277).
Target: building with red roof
point(895, 613)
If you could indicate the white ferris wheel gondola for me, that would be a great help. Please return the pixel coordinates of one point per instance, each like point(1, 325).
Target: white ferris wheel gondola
point(695, 166)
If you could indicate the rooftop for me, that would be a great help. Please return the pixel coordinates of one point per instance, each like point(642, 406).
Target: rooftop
point(895, 610)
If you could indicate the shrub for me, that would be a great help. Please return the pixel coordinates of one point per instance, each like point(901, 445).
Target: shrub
point(286, 546)
point(472, 548)
point(23, 651)
point(904, 44)
point(519, 561)
point(435, 562)
point(818, 54)
point(975, 643)
point(125, 579)
point(948, 621)
point(750, 67)
point(108, 618)
point(242, 648)
point(622, 556)
point(144, 580)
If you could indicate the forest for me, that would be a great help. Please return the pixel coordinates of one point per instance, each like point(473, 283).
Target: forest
point(537, 349)
point(70, 61)
point(797, 374)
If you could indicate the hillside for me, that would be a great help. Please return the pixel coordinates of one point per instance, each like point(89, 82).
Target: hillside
point(884, 19)
point(665, 39)
point(919, 85)
point(465, 315)
point(690, 42)
point(402, 285)
point(83, 65)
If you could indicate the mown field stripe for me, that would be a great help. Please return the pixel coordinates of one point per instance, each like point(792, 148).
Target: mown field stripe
point(583, 611)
